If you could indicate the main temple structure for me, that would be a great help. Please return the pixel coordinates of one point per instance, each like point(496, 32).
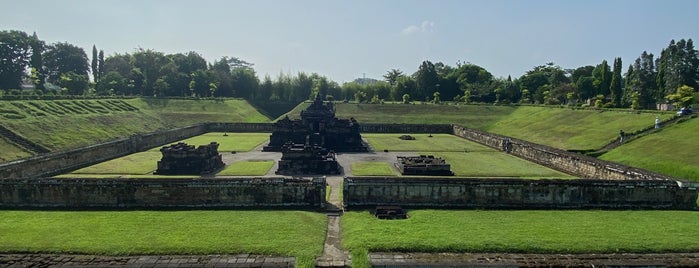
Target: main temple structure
point(318, 126)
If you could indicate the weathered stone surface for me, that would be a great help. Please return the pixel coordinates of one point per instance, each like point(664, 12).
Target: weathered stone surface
point(318, 127)
point(362, 192)
point(156, 194)
point(304, 159)
point(423, 165)
point(183, 159)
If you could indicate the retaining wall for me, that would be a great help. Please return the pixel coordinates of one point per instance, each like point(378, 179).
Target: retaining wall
point(572, 163)
point(361, 192)
point(404, 128)
point(275, 193)
point(64, 161)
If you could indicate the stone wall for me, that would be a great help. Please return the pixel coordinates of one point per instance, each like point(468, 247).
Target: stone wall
point(64, 161)
point(361, 192)
point(404, 128)
point(572, 163)
point(240, 127)
point(274, 193)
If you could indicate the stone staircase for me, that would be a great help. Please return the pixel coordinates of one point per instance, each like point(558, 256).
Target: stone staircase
point(22, 142)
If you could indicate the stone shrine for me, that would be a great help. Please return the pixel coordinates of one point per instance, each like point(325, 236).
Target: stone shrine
point(306, 159)
point(423, 165)
point(319, 126)
point(183, 159)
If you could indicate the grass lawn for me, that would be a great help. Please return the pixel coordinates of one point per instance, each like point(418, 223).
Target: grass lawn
point(144, 163)
point(422, 142)
point(522, 231)
point(671, 151)
point(372, 169)
point(283, 233)
point(239, 142)
point(494, 164)
point(11, 152)
point(134, 164)
point(247, 168)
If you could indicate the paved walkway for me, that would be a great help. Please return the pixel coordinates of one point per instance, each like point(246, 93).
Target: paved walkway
point(172, 261)
point(333, 255)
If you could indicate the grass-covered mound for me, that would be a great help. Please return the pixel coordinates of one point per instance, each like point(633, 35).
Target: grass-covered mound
point(281, 233)
point(672, 151)
point(65, 124)
point(11, 152)
point(557, 127)
point(542, 231)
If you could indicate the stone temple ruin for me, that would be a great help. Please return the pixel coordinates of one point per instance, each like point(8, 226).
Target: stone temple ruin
point(305, 159)
point(423, 165)
point(318, 126)
point(183, 159)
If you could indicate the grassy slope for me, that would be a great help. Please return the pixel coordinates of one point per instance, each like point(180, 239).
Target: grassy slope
point(671, 151)
point(65, 132)
point(557, 127)
point(282, 233)
point(11, 152)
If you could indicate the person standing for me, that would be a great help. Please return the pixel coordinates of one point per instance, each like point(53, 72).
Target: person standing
point(657, 122)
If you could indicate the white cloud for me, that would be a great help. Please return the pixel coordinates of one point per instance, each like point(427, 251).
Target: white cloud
point(425, 26)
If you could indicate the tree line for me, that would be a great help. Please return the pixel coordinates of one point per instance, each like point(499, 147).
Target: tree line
point(63, 68)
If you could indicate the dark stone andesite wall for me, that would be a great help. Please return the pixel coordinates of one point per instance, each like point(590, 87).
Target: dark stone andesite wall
point(361, 192)
point(274, 193)
point(405, 128)
point(572, 163)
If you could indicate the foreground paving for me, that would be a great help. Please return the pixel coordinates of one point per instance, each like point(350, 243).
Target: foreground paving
point(532, 260)
point(172, 261)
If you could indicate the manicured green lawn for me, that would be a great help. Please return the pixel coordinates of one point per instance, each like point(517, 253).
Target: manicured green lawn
point(11, 152)
point(144, 163)
point(522, 231)
point(247, 168)
point(494, 164)
point(283, 233)
point(372, 169)
point(238, 142)
point(422, 142)
point(134, 164)
point(671, 151)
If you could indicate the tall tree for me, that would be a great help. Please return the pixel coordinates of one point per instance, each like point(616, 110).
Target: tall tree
point(62, 58)
point(677, 65)
point(615, 87)
point(392, 75)
point(426, 81)
point(14, 58)
point(100, 65)
point(642, 83)
point(37, 62)
point(94, 65)
point(602, 75)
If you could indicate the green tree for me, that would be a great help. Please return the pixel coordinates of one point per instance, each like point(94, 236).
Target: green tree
point(406, 98)
point(426, 80)
point(94, 65)
point(683, 97)
point(435, 97)
point(37, 62)
point(100, 65)
point(677, 65)
point(62, 58)
point(73, 83)
point(615, 87)
point(14, 58)
point(392, 76)
point(641, 83)
point(245, 82)
point(602, 78)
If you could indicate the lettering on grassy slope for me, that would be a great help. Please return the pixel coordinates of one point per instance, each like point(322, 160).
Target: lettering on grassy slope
point(35, 109)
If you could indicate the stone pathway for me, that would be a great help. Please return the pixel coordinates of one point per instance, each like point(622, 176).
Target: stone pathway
point(333, 255)
point(171, 261)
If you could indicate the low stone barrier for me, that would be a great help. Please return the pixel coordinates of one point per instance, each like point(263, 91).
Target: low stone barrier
point(572, 163)
point(432, 192)
point(405, 128)
point(212, 193)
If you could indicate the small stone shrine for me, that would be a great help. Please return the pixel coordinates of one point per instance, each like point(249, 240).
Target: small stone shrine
point(306, 159)
point(423, 165)
point(319, 126)
point(183, 159)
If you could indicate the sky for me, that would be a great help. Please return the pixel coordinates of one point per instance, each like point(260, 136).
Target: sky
point(345, 40)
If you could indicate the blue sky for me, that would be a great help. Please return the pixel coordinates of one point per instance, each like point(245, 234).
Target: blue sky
point(345, 40)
